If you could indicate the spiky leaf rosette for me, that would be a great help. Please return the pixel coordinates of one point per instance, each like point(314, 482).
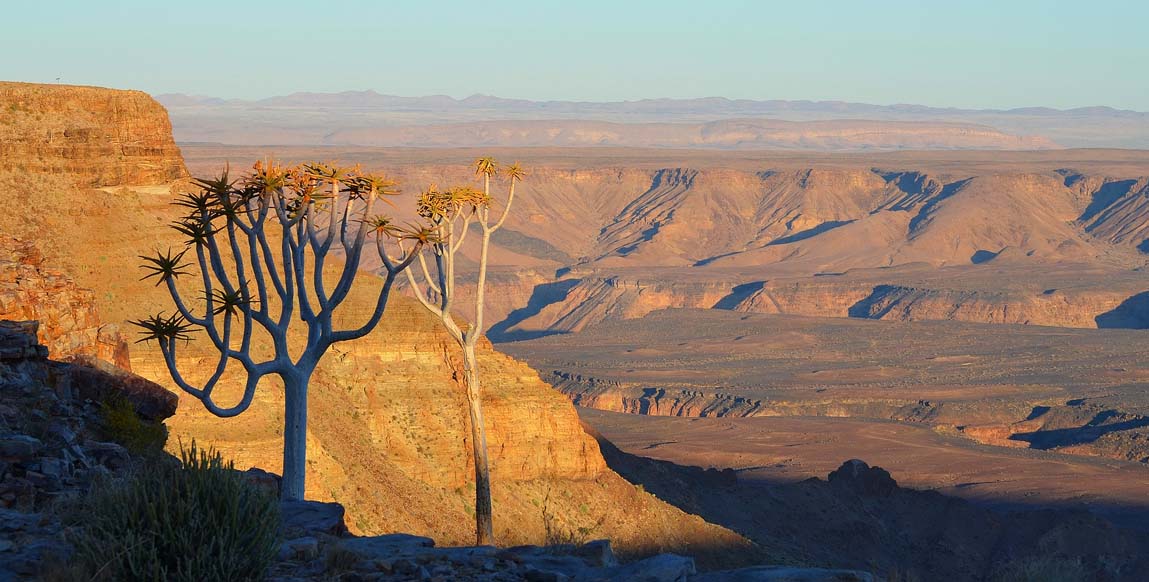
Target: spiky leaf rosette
point(486, 166)
point(163, 329)
point(197, 231)
point(230, 302)
point(514, 172)
point(423, 234)
point(164, 266)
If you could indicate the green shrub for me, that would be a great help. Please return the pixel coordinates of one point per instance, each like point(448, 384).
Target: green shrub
point(195, 520)
point(122, 425)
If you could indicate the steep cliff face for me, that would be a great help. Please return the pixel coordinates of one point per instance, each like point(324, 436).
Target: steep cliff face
point(897, 303)
point(69, 323)
point(1085, 306)
point(578, 301)
point(104, 137)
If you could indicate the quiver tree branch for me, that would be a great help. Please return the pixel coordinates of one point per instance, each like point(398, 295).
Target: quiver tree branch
point(233, 229)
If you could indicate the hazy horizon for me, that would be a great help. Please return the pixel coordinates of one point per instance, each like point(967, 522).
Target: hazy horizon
point(973, 55)
point(464, 96)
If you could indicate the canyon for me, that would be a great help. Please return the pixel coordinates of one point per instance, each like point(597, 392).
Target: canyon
point(953, 316)
point(1042, 238)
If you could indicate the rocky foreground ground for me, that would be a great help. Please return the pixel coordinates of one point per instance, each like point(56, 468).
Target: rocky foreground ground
point(319, 548)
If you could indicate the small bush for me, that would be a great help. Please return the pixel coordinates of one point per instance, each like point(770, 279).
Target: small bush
point(195, 520)
point(122, 425)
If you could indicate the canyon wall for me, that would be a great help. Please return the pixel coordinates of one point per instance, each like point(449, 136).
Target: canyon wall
point(69, 323)
point(101, 137)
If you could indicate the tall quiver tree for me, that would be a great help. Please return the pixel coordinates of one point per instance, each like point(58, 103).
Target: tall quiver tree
point(260, 248)
point(451, 214)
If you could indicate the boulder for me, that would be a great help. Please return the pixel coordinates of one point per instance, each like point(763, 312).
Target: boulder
point(100, 381)
point(660, 568)
point(855, 475)
point(19, 447)
point(597, 553)
point(385, 546)
point(302, 518)
point(18, 340)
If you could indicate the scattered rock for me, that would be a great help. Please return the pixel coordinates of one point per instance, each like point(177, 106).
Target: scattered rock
point(660, 568)
point(19, 447)
point(784, 574)
point(52, 445)
point(305, 548)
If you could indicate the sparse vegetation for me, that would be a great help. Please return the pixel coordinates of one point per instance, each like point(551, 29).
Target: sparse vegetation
point(193, 520)
point(559, 532)
point(122, 425)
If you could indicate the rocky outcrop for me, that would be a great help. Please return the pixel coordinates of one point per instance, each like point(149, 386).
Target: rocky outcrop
point(69, 324)
point(54, 441)
point(572, 304)
point(315, 549)
point(102, 137)
point(1087, 307)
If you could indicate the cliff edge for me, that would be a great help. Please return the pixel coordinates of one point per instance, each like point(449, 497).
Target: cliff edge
point(104, 137)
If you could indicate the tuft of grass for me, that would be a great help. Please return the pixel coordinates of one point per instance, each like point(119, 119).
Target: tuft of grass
point(193, 520)
point(122, 425)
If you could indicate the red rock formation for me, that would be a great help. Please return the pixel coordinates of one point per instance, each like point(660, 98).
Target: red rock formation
point(69, 322)
point(104, 137)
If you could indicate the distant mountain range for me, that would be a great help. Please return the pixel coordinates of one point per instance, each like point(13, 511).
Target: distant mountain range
point(371, 118)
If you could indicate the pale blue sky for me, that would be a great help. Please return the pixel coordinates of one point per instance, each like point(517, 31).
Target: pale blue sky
point(970, 53)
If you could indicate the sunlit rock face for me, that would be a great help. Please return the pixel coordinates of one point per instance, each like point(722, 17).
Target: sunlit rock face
point(104, 137)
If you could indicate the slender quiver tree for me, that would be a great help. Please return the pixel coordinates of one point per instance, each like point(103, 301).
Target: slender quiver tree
point(451, 214)
point(260, 248)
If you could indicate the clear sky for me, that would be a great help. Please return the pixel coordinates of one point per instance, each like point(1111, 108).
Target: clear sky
point(960, 53)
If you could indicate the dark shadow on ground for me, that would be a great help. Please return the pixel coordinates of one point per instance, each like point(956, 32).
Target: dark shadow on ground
point(810, 232)
point(541, 297)
point(1133, 313)
point(983, 256)
point(1105, 196)
point(738, 294)
point(872, 524)
point(864, 308)
point(1065, 437)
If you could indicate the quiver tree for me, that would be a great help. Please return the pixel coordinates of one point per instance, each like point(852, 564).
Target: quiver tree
point(450, 215)
point(260, 246)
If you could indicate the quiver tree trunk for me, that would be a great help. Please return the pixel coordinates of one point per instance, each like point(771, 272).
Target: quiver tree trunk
point(295, 436)
point(484, 513)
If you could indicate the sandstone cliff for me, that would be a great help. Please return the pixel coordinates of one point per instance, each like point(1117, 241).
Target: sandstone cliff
point(103, 137)
point(69, 323)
